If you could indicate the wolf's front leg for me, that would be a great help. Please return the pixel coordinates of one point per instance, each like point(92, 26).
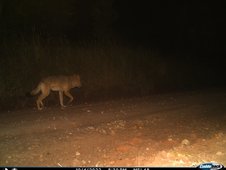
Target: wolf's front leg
point(61, 99)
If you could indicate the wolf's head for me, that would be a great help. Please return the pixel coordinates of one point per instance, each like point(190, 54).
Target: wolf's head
point(75, 80)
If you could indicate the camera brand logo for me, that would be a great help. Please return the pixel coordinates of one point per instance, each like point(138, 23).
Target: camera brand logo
point(210, 166)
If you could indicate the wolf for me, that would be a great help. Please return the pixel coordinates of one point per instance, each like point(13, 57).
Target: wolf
point(60, 83)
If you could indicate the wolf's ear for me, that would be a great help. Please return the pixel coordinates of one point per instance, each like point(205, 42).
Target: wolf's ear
point(76, 74)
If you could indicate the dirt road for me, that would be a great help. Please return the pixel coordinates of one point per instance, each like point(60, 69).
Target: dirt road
point(180, 129)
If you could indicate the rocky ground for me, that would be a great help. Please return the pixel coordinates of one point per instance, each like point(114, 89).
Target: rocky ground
point(177, 129)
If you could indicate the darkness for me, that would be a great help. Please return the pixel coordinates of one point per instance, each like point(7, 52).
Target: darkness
point(119, 46)
point(187, 26)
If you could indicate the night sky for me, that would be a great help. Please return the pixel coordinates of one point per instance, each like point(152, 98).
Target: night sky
point(188, 36)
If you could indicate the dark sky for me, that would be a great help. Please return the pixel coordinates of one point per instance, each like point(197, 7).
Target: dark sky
point(195, 26)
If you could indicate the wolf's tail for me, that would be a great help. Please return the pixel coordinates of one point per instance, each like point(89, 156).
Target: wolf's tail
point(36, 90)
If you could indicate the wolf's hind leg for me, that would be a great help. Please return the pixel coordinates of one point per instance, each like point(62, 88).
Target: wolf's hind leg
point(39, 102)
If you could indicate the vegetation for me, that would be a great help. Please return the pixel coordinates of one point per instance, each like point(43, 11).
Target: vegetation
point(107, 68)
